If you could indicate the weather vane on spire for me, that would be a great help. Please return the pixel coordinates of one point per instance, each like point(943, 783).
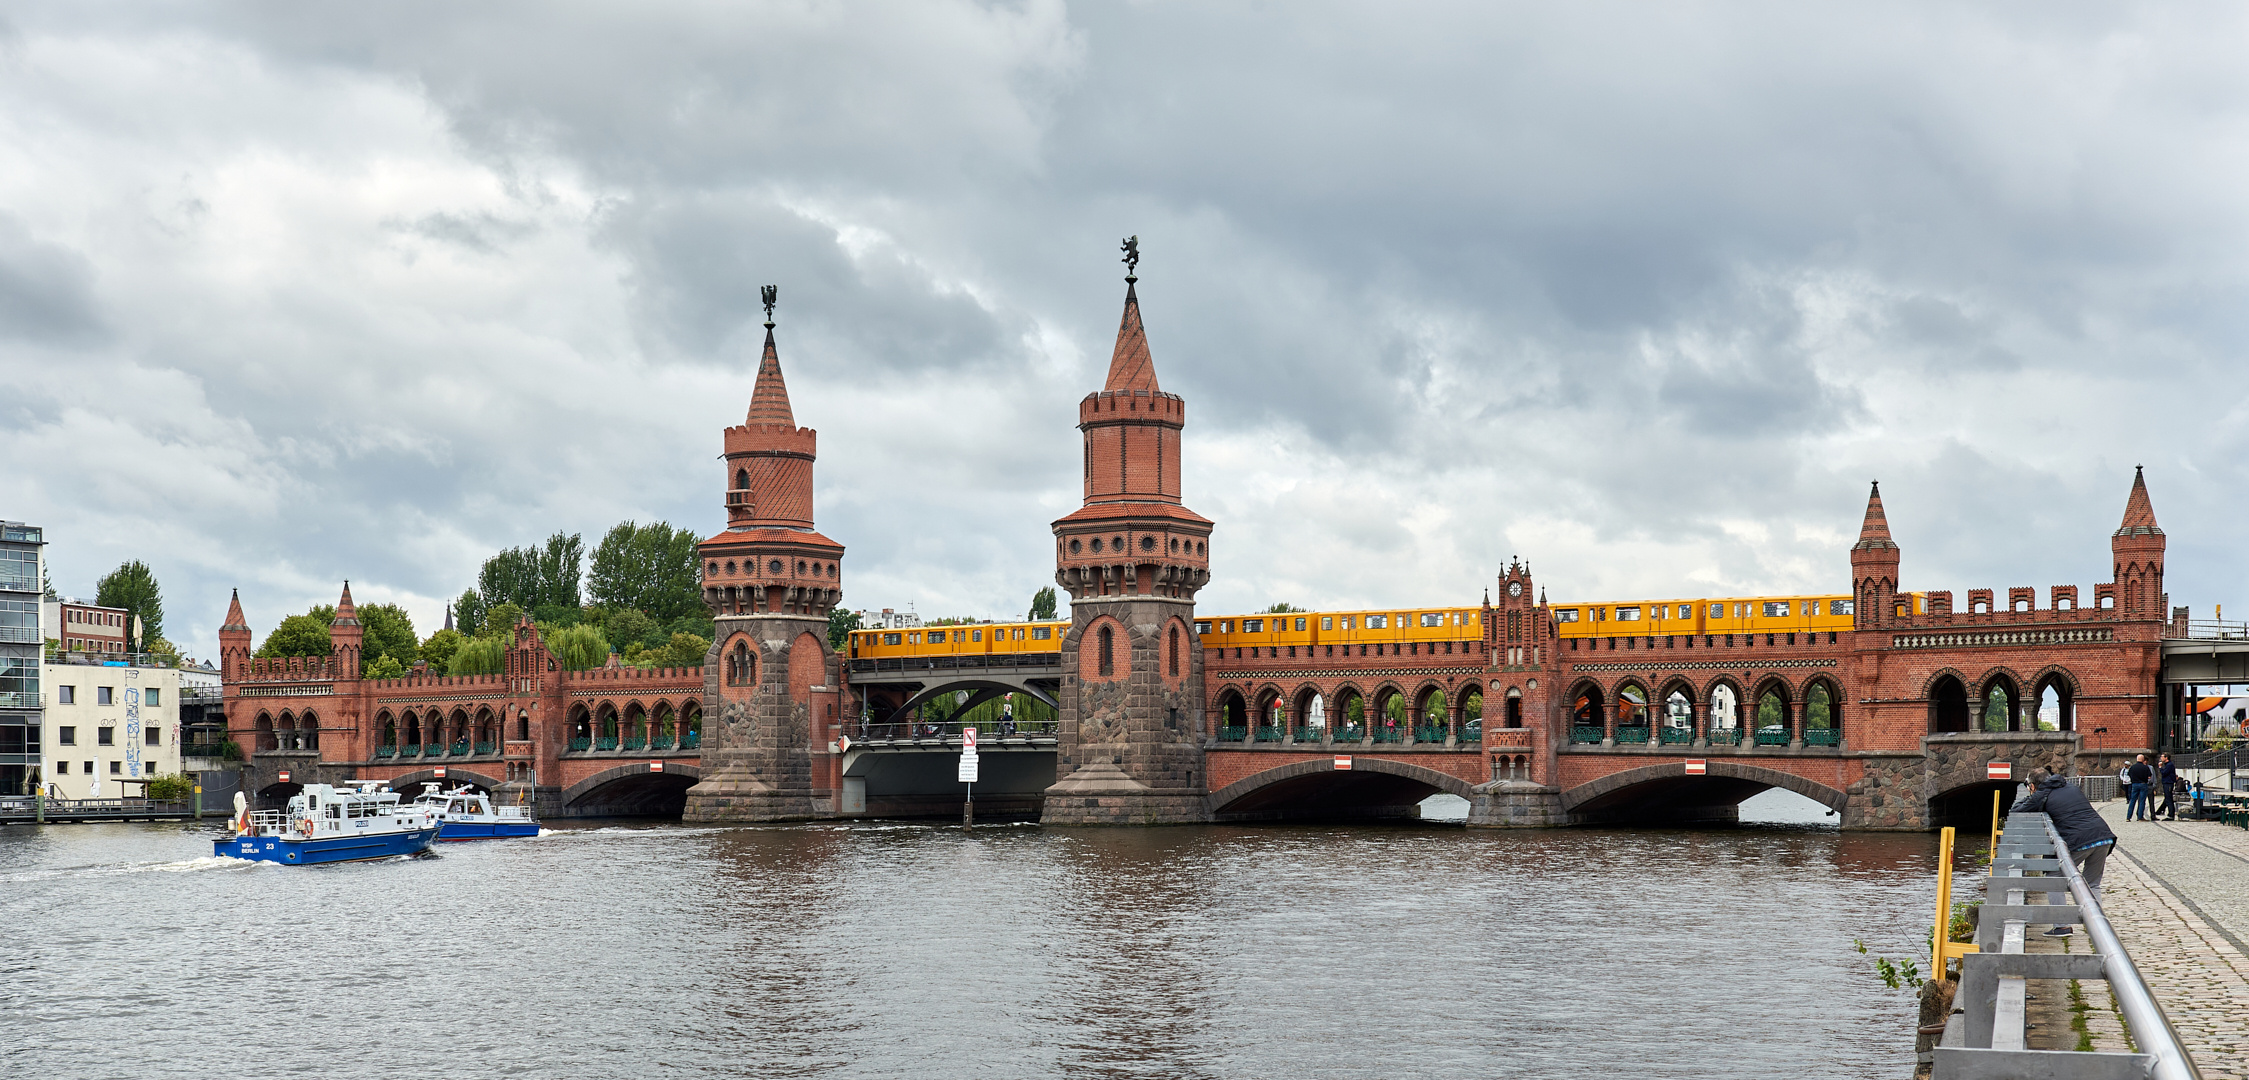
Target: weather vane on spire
point(767, 293)
point(1131, 251)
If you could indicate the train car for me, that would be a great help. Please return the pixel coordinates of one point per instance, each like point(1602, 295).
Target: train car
point(965, 638)
point(1803, 615)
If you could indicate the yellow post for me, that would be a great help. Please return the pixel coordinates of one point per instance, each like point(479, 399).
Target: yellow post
point(1944, 905)
point(1993, 851)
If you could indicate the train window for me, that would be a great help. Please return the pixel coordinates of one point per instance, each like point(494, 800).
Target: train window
point(1019, 635)
point(1600, 614)
point(913, 639)
point(890, 639)
point(1840, 607)
point(1717, 611)
point(1628, 614)
point(1253, 626)
point(976, 635)
point(1042, 633)
point(1300, 625)
point(1327, 622)
point(1432, 618)
point(1741, 611)
point(1568, 614)
point(1378, 622)
point(1347, 622)
point(1775, 609)
point(1226, 626)
point(1202, 626)
point(1686, 611)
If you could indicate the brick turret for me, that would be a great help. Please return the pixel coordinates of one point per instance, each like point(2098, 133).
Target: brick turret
point(1132, 559)
point(346, 636)
point(1874, 568)
point(770, 581)
point(234, 640)
point(2137, 546)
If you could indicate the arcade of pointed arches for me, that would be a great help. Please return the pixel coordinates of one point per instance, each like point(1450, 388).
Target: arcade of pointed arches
point(1384, 712)
point(460, 731)
point(1725, 711)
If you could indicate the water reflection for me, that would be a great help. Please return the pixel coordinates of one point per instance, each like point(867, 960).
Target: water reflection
point(889, 950)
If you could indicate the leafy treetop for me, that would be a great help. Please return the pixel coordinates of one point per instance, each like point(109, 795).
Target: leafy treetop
point(132, 586)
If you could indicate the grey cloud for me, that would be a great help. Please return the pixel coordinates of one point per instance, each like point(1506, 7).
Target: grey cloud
point(46, 290)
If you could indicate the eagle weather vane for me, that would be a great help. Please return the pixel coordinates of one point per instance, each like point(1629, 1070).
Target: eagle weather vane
point(767, 293)
point(1131, 249)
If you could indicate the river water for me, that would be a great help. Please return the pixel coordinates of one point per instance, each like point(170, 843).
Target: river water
point(926, 951)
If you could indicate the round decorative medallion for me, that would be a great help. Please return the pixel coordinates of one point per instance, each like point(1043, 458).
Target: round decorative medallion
point(1514, 588)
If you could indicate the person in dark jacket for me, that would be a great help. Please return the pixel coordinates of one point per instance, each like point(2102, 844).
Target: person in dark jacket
point(2087, 837)
point(2143, 785)
point(2167, 776)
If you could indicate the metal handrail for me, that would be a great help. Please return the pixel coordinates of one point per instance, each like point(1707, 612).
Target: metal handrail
point(2151, 1029)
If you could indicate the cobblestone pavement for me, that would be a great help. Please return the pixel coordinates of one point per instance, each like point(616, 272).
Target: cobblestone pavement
point(2178, 895)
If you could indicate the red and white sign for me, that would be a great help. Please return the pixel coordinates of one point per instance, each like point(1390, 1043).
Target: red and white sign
point(1697, 767)
point(285, 775)
point(441, 772)
point(1343, 764)
point(655, 766)
point(1999, 770)
point(968, 738)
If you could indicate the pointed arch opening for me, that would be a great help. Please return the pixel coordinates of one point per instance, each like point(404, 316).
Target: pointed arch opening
point(1588, 718)
point(1631, 714)
point(2056, 703)
point(1233, 715)
point(1948, 704)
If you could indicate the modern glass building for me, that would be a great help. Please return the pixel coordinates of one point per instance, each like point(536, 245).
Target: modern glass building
point(21, 590)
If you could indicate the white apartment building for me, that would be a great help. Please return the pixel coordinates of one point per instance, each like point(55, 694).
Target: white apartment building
point(887, 619)
point(107, 724)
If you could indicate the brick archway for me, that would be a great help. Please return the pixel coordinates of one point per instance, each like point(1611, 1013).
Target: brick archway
point(1618, 783)
point(454, 774)
point(1383, 782)
point(576, 793)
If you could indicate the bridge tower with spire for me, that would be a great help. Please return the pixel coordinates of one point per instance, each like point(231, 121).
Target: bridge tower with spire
point(770, 580)
point(1132, 559)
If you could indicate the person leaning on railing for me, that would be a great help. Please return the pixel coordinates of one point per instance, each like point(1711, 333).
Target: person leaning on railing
point(2087, 837)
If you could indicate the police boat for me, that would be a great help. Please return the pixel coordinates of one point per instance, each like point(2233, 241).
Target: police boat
point(326, 824)
point(469, 815)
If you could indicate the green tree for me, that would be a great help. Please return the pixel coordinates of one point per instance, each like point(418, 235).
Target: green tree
point(686, 650)
point(1043, 605)
point(499, 621)
point(649, 568)
point(529, 577)
point(174, 787)
point(384, 667)
point(1283, 608)
point(301, 635)
point(468, 612)
point(477, 656)
point(388, 632)
point(439, 650)
point(840, 625)
point(578, 648)
point(133, 587)
point(628, 625)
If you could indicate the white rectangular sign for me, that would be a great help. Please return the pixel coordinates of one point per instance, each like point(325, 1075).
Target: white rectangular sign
point(968, 767)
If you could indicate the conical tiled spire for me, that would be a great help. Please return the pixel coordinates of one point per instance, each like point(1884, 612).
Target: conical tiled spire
point(346, 613)
point(1875, 532)
point(769, 402)
point(1130, 367)
point(235, 620)
point(2139, 513)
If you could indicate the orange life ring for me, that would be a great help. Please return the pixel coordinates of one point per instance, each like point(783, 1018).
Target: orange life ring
point(306, 826)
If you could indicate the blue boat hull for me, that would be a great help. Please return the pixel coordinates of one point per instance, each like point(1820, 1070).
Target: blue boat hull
point(296, 851)
point(486, 830)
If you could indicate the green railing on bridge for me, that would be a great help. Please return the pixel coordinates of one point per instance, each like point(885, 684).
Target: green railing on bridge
point(636, 742)
point(606, 742)
point(1268, 733)
point(660, 742)
point(486, 748)
point(386, 751)
point(1472, 731)
point(1387, 734)
point(691, 740)
point(1583, 734)
point(1429, 733)
point(1634, 735)
point(1232, 734)
point(581, 744)
point(1724, 736)
point(1772, 736)
point(1823, 736)
point(1675, 736)
point(1307, 734)
point(459, 749)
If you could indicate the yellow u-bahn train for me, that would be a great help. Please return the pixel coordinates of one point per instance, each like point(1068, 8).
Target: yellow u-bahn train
point(1829, 613)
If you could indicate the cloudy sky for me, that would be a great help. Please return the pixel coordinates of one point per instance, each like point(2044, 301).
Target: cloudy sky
point(1645, 294)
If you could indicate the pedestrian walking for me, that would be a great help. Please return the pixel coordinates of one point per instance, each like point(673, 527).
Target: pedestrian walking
point(2142, 776)
point(2087, 838)
point(2167, 774)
